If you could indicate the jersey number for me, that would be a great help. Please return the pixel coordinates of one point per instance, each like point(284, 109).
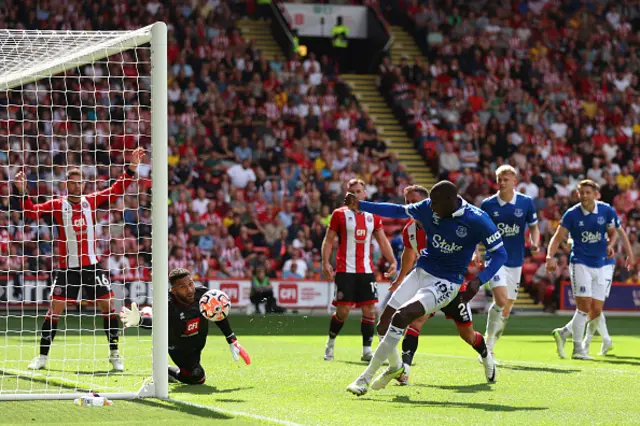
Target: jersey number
point(464, 314)
point(101, 280)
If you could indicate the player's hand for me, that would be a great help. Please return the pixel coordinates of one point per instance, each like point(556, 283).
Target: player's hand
point(610, 252)
point(472, 289)
point(130, 317)
point(534, 249)
point(20, 181)
point(391, 270)
point(237, 351)
point(137, 157)
point(351, 201)
point(327, 270)
point(630, 262)
point(551, 265)
point(396, 283)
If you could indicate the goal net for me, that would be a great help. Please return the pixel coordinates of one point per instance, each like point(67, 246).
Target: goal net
point(82, 101)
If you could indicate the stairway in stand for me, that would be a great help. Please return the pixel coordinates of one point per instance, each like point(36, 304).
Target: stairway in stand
point(260, 31)
point(403, 45)
point(363, 87)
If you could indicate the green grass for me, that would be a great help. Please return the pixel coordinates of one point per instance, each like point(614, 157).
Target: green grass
point(289, 381)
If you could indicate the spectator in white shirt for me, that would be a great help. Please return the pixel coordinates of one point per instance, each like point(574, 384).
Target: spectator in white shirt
point(201, 203)
point(295, 258)
point(449, 161)
point(527, 187)
point(241, 174)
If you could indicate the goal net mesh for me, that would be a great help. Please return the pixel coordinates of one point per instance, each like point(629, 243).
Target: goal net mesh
point(81, 100)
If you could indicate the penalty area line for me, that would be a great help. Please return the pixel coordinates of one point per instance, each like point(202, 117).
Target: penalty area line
point(235, 413)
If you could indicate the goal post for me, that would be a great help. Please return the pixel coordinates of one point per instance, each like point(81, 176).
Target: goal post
point(84, 99)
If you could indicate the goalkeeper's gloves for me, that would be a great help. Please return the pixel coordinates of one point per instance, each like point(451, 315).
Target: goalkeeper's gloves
point(130, 317)
point(237, 351)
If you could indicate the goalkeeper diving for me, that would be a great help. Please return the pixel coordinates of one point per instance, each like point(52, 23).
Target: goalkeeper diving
point(188, 329)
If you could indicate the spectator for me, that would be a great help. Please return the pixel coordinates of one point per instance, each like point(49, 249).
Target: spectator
point(262, 292)
point(301, 266)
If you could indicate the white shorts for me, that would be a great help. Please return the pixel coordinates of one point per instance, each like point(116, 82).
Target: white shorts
point(588, 282)
point(508, 277)
point(420, 286)
point(608, 278)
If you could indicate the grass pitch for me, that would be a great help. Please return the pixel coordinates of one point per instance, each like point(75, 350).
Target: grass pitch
point(288, 382)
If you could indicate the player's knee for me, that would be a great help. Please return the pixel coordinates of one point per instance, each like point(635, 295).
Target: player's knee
point(500, 297)
point(197, 376)
point(402, 318)
point(342, 312)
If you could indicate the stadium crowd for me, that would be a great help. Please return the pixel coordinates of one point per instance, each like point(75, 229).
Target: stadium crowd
point(550, 87)
point(259, 150)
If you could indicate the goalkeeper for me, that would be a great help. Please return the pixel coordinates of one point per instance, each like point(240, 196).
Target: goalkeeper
point(188, 329)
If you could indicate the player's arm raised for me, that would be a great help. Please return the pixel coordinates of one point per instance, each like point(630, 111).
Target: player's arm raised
point(387, 252)
point(560, 235)
point(112, 193)
point(31, 210)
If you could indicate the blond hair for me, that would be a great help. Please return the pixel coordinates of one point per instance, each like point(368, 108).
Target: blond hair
point(506, 168)
point(355, 181)
point(416, 188)
point(588, 182)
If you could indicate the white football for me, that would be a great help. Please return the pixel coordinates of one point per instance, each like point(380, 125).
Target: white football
point(215, 305)
point(147, 311)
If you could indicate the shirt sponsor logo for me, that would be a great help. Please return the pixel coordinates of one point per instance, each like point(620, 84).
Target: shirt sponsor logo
point(591, 237)
point(508, 230)
point(441, 243)
point(192, 328)
point(493, 238)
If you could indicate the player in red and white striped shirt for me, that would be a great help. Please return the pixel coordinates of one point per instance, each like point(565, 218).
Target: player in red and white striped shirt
point(415, 240)
point(354, 275)
point(74, 217)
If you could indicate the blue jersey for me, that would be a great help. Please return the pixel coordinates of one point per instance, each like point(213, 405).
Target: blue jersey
point(512, 219)
point(451, 241)
point(589, 232)
point(612, 261)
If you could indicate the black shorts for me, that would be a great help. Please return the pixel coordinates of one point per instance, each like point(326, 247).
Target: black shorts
point(459, 312)
point(355, 289)
point(189, 363)
point(92, 282)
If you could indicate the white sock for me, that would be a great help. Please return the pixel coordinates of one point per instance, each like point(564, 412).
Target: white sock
point(395, 360)
point(567, 330)
point(578, 325)
point(331, 341)
point(388, 344)
point(592, 327)
point(494, 324)
point(602, 328)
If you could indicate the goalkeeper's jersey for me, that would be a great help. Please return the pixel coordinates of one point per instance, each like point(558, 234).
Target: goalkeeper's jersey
point(188, 329)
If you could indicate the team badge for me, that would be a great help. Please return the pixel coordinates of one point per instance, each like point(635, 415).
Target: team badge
point(57, 291)
point(85, 205)
point(369, 219)
point(600, 220)
point(518, 213)
point(461, 231)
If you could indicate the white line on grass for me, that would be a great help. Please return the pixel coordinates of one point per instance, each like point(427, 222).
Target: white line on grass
point(79, 385)
point(236, 413)
point(538, 364)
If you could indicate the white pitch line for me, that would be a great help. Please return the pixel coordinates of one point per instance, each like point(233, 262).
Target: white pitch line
point(236, 413)
point(538, 364)
point(53, 379)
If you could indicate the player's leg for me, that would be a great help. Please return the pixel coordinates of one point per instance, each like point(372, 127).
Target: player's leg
point(598, 293)
point(607, 343)
point(61, 292)
point(513, 283)
point(581, 279)
point(343, 301)
point(188, 370)
point(495, 321)
point(410, 346)
point(366, 298)
point(433, 294)
point(98, 288)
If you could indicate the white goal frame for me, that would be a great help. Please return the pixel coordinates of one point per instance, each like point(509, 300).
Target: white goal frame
point(156, 36)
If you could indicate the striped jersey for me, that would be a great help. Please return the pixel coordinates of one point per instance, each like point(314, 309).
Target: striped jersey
point(354, 239)
point(414, 236)
point(76, 222)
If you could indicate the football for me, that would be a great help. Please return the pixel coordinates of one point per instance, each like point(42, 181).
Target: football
point(215, 305)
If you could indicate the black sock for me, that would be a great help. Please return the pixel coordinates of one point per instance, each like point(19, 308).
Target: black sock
point(112, 330)
point(479, 345)
point(410, 344)
point(335, 326)
point(367, 329)
point(49, 329)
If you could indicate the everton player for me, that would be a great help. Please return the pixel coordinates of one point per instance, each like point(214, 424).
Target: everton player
point(74, 217)
point(415, 241)
point(563, 333)
point(589, 223)
point(188, 329)
point(453, 229)
point(354, 274)
point(512, 212)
